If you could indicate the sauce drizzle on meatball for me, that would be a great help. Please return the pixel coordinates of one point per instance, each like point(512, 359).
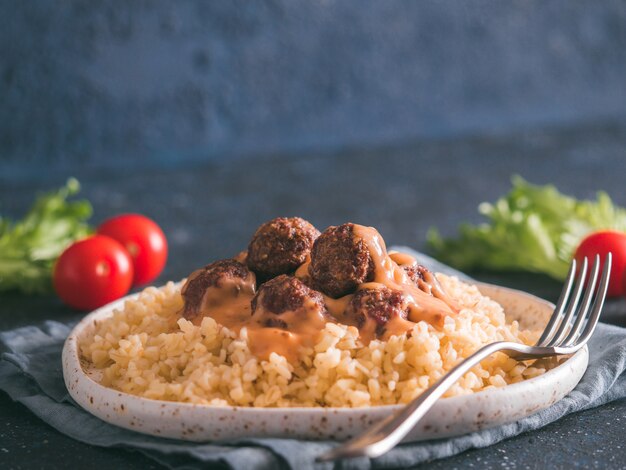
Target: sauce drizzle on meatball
point(422, 306)
point(223, 288)
point(348, 277)
point(286, 315)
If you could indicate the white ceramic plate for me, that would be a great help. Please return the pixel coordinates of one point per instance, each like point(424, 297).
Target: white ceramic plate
point(449, 417)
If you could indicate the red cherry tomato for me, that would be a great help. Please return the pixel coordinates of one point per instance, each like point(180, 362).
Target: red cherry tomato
point(143, 239)
point(602, 243)
point(93, 272)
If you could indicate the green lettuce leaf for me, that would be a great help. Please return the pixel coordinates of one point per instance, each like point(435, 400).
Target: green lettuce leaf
point(532, 228)
point(29, 247)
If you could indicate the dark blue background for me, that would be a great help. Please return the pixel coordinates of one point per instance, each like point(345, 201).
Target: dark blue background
point(88, 84)
point(212, 117)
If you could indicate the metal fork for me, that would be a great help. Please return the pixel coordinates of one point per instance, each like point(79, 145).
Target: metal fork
point(569, 328)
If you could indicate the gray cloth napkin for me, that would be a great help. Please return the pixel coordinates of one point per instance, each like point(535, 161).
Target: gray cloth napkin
point(30, 372)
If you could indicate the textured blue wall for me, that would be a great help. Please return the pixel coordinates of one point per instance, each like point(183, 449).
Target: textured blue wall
point(101, 83)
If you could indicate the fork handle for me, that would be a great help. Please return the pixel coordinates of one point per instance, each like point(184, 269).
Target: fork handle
point(388, 432)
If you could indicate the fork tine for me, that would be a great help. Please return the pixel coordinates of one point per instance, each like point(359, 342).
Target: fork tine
point(571, 309)
point(599, 302)
point(560, 305)
point(584, 309)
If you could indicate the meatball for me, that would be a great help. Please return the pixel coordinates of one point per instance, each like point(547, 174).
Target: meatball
point(280, 246)
point(378, 304)
point(223, 274)
point(287, 293)
point(340, 261)
point(415, 272)
point(424, 279)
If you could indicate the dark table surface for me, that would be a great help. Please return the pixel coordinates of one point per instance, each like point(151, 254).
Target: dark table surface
point(209, 211)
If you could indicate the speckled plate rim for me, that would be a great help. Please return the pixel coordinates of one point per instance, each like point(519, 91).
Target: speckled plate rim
point(449, 417)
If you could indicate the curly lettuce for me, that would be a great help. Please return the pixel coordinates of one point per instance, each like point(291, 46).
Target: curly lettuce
point(532, 228)
point(30, 246)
